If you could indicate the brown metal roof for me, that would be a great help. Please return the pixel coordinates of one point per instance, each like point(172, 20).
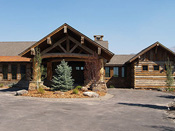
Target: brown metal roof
point(119, 60)
point(14, 48)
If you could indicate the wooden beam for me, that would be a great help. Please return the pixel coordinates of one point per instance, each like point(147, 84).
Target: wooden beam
point(32, 51)
point(80, 45)
point(65, 29)
point(53, 45)
point(62, 48)
point(75, 46)
point(67, 45)
point(82, 40)
point(61, 55)
point(49, 41)
point(99, 51)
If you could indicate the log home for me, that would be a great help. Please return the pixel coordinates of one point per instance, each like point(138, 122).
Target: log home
point(143, 70)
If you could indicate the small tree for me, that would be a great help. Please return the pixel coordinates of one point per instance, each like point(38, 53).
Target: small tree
point(62, 80)
point(92, 69)
point(169, 80)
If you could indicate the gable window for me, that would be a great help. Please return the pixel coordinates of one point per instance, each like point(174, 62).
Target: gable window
point(156, 67)
point(14, 71)
point(145, 67)
point(5, 71)
point(115, 71)
point(107, 72)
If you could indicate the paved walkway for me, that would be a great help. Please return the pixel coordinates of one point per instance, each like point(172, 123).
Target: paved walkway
point(127, 110)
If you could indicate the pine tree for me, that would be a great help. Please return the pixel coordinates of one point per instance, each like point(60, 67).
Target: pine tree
point(62, 80)
point(169, 80)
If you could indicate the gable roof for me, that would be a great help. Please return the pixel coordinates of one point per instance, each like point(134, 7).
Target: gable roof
point(149, 48)
point(119, 60)
point(75, 31)
point(14, 48)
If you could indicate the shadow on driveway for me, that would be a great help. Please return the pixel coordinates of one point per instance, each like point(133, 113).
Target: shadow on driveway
point(145, 105)
point(167, 96)
point(163, 128)
point(12, 89)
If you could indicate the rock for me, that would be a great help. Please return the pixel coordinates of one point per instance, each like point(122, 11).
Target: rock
point(91, 94)
point(21, 92)
point(171, 106)
point(58, 92)
point(101, 86)
point(84, 88)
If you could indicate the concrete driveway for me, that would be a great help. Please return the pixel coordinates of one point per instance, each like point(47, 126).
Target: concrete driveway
point(127, 110)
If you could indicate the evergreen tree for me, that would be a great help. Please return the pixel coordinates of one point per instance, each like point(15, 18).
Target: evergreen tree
point(62, 80)
point(169, 80)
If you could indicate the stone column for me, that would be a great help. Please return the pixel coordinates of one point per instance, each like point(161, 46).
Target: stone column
point(9, 75)
point(102, 71)
point(18, 72)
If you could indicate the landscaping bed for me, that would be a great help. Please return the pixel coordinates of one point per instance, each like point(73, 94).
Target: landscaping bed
point(52, 94)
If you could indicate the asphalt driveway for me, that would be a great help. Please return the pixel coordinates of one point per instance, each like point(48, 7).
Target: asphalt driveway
point(127, 110)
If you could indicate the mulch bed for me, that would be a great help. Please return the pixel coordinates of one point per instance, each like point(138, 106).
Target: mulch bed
point(50, 94)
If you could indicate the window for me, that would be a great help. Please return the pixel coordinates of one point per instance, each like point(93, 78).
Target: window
point(82, 68)
point(5, 71)
point(123, 72)
point(77, 68)
point(23, 71)
point(107, 72)
point(14, 71)
point(156, 67)
point(145, 68)
point(116, 71)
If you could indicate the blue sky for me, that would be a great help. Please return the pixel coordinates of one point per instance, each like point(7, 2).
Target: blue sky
point(128, 25)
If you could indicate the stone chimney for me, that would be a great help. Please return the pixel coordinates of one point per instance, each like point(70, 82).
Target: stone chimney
point(98, 37)
point(99, 40)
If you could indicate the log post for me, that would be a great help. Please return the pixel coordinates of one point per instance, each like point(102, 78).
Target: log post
point(49, 70)
point(9, 75)
point(102, 70)
point(34, 78)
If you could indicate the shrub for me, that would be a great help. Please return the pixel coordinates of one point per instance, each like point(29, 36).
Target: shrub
point(40, 90)
point(78, 87)
point(1, 85)
point(62, 80)
point(11, 85)
point(75, 91)
point(170, 89)
point(111, 86)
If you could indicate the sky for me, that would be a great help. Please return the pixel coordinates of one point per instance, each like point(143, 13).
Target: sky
point(128, 25)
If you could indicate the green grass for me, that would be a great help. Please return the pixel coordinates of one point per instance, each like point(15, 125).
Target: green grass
point(40, 90)
point(78, 87)
point(75, 91)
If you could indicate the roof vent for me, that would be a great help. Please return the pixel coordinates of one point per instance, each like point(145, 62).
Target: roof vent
point(98, 37)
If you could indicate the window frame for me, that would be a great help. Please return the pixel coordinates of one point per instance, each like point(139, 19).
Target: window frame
point(147, 68)
point(108, 72)
point(154, 68)
point(13, 70)
point(117, 71)
point(4, 65)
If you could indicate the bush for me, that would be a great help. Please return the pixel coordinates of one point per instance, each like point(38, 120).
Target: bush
point(75, 91)
point(170, 89)
point(40, 90)
point(78, 87)
point(1, 85)
point(11, 85)
point(111, 86)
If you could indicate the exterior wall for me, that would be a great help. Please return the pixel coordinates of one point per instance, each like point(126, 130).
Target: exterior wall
point(150, 78)
point(9, 79)
point(120, 82)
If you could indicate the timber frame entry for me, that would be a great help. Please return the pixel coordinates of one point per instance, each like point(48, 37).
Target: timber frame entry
point(69, 44)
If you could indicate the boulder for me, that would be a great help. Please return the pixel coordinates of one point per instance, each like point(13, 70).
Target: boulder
point(21, 92)
point(91, 94)
point(171, 106)
point(84, 88)
point(101, 86)
point(58, 92)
